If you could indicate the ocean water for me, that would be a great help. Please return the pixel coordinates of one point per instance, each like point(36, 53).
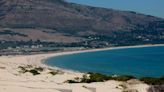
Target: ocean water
point(139, 62)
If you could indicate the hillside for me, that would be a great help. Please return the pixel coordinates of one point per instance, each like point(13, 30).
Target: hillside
point(62, 22)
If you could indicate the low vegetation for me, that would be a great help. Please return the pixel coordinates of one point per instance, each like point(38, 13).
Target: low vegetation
point(96, 77)
point(91, 77)
point(34, 72)
point(31, 69)
point(54, 72)
point(37, 70)
point(153, 81)
point(40, 69)
point(123, 78)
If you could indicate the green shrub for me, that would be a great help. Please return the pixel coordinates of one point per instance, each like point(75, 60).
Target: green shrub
point(123, 78)
point(71, 81)
point(153, 81)
point(39, 69)
point(26, 69)
point(34, 72)
point(96, 77)
point(23, 69)
point(53, 72)
point(85, 79)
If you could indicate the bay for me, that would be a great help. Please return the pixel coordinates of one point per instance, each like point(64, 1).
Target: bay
point(139, 62)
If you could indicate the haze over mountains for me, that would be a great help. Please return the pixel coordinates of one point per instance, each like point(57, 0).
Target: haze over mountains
point(63, 22)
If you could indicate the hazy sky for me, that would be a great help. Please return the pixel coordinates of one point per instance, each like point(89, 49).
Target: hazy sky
point(151, 7)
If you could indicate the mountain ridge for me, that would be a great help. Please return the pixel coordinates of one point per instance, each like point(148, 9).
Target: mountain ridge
point(58, 20)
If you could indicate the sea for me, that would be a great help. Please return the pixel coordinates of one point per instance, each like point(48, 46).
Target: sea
point(138, 62)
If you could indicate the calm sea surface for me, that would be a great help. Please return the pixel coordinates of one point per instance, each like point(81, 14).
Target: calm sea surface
point(139, 62)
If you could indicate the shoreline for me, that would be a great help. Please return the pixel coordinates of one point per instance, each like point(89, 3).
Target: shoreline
point(11, 80)
point(43, 57)
point(97, 49)
point(103, 49)
point(93, 50)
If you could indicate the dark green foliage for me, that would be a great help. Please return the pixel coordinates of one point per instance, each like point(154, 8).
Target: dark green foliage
point(40, 69)
point(85, 79)
point(123, 78)
point(30, 69)
point(153, 81)
point(37, 70)
point(23, 69)
point(34, 72)
point(96, 77)
point(71, 81)
point(53, 72)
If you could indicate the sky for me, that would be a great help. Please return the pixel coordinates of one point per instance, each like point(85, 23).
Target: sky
point(149, 7)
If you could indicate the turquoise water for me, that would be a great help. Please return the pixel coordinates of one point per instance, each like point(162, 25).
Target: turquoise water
point(139, 62)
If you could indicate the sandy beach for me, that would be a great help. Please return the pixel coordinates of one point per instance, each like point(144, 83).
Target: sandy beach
point(11, 80)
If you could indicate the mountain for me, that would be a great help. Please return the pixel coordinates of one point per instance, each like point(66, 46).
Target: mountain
point(62, 22)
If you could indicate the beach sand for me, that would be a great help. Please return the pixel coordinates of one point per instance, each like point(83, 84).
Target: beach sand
point(11, 80)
